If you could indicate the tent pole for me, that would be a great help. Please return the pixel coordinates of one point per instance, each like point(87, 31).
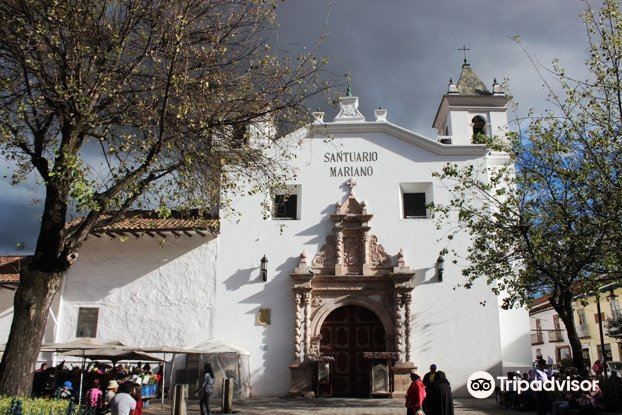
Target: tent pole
point(170, 375)
point(81, 379)
point(163, 379)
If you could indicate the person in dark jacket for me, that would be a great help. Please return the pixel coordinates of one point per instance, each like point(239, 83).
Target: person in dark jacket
point(428, 379)
point(442, 402)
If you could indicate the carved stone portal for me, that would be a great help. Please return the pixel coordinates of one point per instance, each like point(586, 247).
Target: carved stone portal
point(352, 267)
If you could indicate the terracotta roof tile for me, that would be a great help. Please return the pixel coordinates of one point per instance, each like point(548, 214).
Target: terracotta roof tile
point(540, 304)
point(9, 269)
point(143, 221)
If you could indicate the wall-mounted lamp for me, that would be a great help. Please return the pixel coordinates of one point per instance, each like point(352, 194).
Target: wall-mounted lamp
point(440, 267)
point(263, 269)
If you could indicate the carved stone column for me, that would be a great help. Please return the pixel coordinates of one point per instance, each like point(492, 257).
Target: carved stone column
point(365, 248)
point(299, 330)
point(407, 302)
point(399, 327)
point(306, 300)
point(339, 251)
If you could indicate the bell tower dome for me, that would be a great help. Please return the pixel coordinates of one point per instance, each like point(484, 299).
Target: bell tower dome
point(469, 110)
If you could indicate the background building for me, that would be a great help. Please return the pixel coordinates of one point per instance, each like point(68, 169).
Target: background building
point(548, 333)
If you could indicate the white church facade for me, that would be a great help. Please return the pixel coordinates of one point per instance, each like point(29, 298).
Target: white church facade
point(346, 271)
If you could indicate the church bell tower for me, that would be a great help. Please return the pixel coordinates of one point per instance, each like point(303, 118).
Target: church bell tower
point(469, 111)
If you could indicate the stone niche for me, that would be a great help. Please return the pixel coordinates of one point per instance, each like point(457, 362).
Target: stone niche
point(351, 268)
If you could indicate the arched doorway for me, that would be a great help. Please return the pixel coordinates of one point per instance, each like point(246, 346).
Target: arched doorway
point(347, 332)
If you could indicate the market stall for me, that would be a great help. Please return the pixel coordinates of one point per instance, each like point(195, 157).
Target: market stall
point(228, 361)
point(114, 352)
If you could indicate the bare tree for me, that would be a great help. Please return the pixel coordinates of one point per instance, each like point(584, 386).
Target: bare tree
point(168, 97)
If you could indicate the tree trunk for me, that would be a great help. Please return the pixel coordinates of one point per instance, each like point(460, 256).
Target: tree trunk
point(566, 314)
point(31, 305)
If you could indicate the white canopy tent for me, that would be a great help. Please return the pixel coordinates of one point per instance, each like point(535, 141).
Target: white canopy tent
point(216, 346)
point(228, 361)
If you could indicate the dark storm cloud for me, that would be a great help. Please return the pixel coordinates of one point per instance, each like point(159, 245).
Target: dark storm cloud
point(19, 218)
point(401, 55)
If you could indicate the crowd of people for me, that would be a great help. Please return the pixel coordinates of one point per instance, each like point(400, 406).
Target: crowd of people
point(555, 403)
point(123, 385)
point(430, 395)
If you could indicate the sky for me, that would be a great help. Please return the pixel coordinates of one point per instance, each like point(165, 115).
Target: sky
point(400, 54)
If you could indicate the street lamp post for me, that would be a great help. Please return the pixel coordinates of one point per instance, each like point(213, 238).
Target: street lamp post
point(602, 336)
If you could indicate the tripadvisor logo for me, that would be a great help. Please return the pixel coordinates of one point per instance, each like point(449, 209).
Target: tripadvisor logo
point(482, 384)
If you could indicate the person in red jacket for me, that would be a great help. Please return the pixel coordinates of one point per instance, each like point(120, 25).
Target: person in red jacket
point(415, 395)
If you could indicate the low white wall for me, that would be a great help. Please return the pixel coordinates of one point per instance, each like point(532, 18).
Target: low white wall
point(150, 291)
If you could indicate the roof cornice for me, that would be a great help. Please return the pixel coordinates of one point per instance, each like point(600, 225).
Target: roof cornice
point(399, 132)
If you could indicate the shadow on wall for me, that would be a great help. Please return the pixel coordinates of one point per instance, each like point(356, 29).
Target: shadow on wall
point(319, 231)
point(107, 263)
point(516, 348)
point(241, 277)
point(277, 344)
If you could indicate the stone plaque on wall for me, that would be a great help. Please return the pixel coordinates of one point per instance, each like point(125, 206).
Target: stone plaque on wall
point(263, 317)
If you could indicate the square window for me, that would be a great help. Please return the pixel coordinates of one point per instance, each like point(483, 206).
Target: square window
point(285, 206)
point(414, 205)
point(87, 322)
point(414, 200)
point(286, 203)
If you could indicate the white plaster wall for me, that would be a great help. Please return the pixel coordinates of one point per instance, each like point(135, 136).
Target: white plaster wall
point(498, 123)
point(6, 318)
point(460, 126)
point(455, 328)
point(515, 339)
point(6, 313)
point(150, 291)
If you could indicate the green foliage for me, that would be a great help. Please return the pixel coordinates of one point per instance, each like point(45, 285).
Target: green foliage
point(35, 406)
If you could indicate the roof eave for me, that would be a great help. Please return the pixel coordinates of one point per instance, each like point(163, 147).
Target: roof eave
point(409, 136)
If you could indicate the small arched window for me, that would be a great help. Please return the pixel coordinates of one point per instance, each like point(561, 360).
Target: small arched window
point(479, 127)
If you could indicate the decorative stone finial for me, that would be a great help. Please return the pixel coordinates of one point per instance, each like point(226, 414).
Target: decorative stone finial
point(351, 183)
point(381, 114)
point(349, 109)
point(401, 263)
point(452, 88)
point(496, 88)
point(303, 258)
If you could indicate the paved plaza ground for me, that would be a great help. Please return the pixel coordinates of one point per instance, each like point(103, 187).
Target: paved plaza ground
point(335, 406)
